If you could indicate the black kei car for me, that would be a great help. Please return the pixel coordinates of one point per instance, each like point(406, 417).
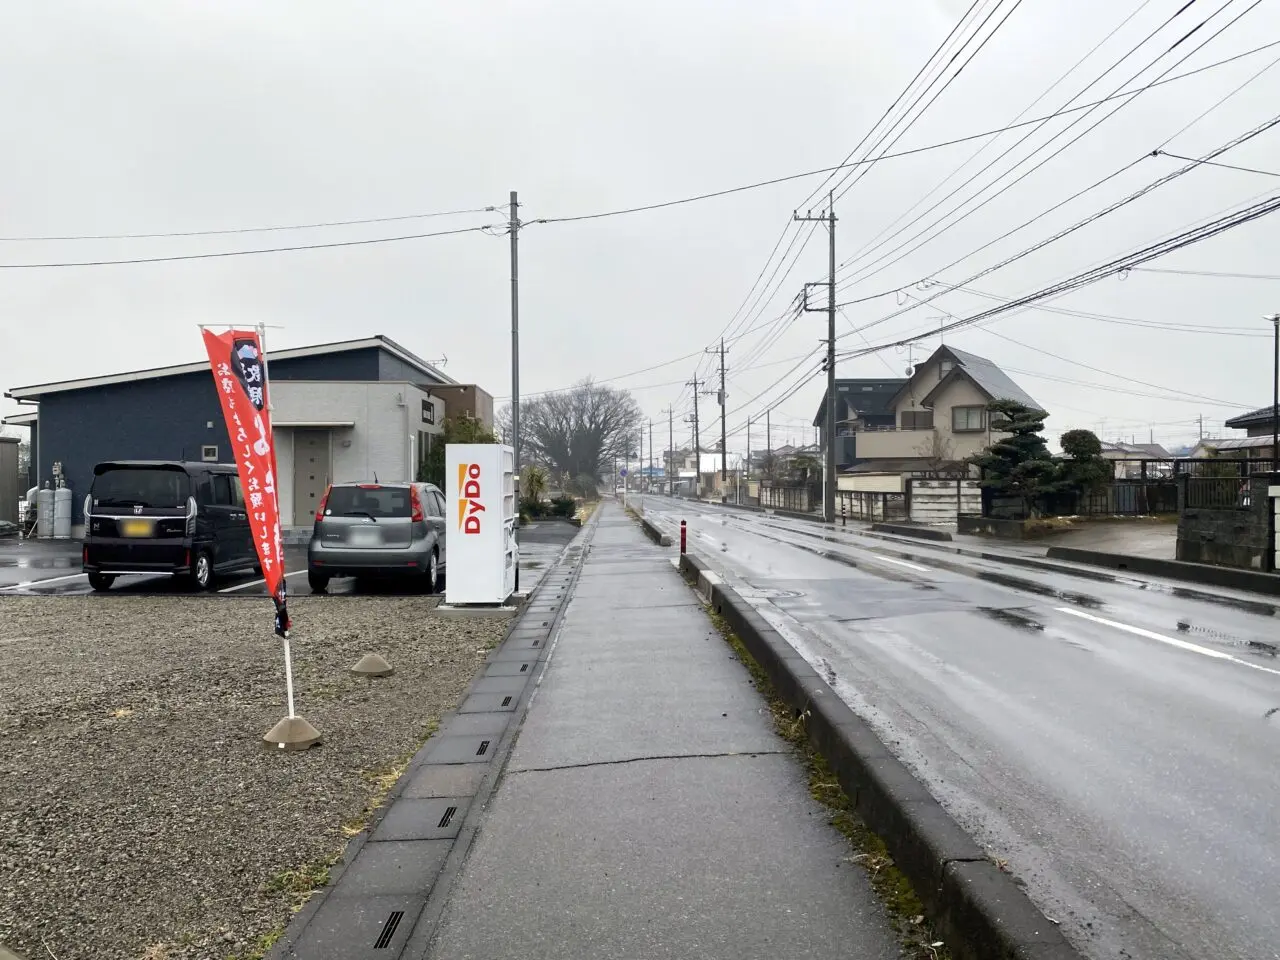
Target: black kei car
point(186, 520)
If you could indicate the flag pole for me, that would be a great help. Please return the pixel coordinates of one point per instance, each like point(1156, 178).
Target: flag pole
point(293, 732)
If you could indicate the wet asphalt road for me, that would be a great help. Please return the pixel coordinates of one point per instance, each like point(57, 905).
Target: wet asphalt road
point(52, 568)
point(1107, 736)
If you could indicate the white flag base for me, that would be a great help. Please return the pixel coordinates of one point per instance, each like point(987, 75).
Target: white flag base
point(372, 665)
point(292, 733)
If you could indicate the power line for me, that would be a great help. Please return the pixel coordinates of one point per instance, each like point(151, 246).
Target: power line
point(1136, 93)
point(906, 91)
point(1208, 273)
point(1160, 248)
point(1110, 208)
point(1085, 366)
point(941, 90)
point(906, 153)
point(1211, 163)
point(246, 253)
point(214, 233)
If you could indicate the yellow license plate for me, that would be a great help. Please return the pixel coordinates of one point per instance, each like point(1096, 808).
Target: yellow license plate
point(136, 528)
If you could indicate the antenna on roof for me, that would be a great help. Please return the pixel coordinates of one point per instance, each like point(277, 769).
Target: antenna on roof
point(441, 362)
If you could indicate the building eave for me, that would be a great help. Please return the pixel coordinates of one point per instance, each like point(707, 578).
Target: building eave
point(36, 391)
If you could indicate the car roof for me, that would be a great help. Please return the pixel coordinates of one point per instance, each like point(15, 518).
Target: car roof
point(189, 466)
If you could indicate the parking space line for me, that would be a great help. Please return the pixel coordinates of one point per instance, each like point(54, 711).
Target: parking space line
point(254, 583)
point(36, 583)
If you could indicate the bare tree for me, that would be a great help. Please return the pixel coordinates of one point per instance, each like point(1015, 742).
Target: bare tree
point(579, 432)
point(937, 452)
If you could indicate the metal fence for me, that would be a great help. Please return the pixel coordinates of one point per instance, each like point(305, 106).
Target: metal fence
point(868, 505)
point(1218, 493)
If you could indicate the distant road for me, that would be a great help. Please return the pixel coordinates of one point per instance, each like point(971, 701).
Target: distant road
point(1105, 735)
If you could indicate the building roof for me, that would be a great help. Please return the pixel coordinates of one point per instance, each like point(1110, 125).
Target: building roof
point(1237, 443)
point(1253, 418)
point(985, 375)
point(379, 342)
point(1143, 450)
point(867, 397)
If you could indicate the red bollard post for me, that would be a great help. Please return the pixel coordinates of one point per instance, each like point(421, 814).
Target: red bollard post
point(683, 535)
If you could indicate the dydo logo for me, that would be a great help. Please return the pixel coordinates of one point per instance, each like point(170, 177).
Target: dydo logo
point(469, 505)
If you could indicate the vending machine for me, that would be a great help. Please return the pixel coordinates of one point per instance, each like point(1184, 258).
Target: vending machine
point(481, 556)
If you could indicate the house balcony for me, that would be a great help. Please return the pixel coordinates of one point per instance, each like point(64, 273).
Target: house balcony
point(895, 444)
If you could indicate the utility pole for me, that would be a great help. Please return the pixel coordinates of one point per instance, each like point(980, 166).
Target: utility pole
point(514, 226)
point(668, 463)
point(649, 478)
point(1200, 420)
point(724, 417)
point(1275, 397)
point(768, 442)
point(746, 468)
point(697, 440)
point(722, 398)
point(829, 486)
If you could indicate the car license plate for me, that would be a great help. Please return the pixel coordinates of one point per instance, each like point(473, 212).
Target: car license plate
point(364, 537)
point(135, 528)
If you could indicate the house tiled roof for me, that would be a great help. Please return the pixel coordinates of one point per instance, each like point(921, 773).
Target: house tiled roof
point(991, 379)
point(1253, 418)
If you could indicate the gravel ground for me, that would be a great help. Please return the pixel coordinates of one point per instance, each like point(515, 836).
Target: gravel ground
point(140, 818)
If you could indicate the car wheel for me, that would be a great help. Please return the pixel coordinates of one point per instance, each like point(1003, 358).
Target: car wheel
point(101, 581)
point(202, 571)
point(433, 572)
point(319, 582)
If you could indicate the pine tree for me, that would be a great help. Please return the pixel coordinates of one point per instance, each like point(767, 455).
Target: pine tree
point(1018, 464)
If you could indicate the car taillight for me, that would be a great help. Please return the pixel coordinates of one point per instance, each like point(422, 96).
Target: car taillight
point(415, 503)
point(324, 502)
point(190, 528)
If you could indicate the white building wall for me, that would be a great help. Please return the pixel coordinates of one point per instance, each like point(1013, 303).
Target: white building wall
point(386, 418)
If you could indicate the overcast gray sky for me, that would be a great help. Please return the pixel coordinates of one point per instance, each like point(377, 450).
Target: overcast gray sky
point(144, 117)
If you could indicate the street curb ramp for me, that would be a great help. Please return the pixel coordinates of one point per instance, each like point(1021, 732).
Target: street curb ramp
point(977, 910)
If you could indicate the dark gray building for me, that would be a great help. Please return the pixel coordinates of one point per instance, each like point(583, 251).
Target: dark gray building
point(860, 405)
point(341, 412)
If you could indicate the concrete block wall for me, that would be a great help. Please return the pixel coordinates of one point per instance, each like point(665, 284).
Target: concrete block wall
point(940, 502)
point(1229, 536)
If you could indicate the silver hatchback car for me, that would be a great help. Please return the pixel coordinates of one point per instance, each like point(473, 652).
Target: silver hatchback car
point(378, 530)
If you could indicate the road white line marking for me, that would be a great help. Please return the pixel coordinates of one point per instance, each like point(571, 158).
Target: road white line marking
point(254, 583)
point(901, 563)
point(1171, 641)
point(36, 583)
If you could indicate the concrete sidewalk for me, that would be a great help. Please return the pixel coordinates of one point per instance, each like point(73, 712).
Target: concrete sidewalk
point(648, 809)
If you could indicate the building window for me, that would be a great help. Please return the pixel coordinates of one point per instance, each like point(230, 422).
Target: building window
point(967, 419)
point(209, 454)
point(945, 367)
point(917, 419)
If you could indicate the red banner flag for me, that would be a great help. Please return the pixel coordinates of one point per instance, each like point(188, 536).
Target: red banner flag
point(240, 375)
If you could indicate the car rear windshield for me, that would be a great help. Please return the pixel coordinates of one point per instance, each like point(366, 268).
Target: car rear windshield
point(369, 500)
point(155, 487)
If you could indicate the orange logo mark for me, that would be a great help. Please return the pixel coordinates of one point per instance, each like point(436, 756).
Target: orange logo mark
point(469, 505)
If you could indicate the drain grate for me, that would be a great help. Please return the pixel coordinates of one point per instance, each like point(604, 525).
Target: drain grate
point(524, 667)
point(506, 701)
point(448, 817)
point(388, 930)
point(483, 748)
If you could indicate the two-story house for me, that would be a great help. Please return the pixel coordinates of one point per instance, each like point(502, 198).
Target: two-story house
point(860, 405)
point(940, 416)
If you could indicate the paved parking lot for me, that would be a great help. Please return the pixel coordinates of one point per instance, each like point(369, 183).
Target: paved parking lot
point(52, 568)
